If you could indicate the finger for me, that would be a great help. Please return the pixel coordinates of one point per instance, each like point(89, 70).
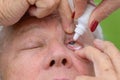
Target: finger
point(86, 78)
point(38, 12)
point(12, 11)
point(104, 9)
point(80, 6)
point(43, 8)
point(101, 62)
point(66, 13)
point(111, 51)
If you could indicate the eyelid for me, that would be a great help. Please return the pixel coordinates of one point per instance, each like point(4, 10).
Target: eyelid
point(77, 45)
point(33, 45)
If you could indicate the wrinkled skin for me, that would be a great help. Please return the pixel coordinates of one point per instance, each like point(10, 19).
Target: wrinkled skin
point(40, 50)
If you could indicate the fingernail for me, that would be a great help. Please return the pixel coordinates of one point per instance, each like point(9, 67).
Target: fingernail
point(94, 26)
point(73, 15)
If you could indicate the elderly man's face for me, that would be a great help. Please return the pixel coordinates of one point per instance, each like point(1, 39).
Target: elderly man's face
point(41, 50)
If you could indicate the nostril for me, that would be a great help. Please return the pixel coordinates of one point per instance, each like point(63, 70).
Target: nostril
point(52, 63)
point(64, 61)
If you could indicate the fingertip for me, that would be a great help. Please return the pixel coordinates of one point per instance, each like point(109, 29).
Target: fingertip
point(32, 11)
point(68, 26)
point(80, 53)
point(38, 12)
point(66, 16)
point(99, 44)
point(97, 41)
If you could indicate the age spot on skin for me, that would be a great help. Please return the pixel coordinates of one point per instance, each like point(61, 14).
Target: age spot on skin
point(107, 70)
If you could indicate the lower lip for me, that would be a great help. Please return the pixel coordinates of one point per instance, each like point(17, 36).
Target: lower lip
point(61, 79)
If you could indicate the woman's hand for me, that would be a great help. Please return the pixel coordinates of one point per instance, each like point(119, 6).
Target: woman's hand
point(103, 10)
point(105, 58)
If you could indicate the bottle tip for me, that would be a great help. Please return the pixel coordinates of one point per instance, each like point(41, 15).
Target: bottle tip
point(76, 36)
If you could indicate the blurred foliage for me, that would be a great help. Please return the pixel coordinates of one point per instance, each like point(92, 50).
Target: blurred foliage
point(111, 27)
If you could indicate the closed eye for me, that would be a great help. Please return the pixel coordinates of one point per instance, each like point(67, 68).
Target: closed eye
point(33, 45)
point(74, 45)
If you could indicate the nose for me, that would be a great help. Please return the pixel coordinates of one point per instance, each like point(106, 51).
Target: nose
point(58, 57)
point(59, 62)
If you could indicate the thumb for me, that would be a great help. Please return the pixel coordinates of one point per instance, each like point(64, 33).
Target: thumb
point(103, 10)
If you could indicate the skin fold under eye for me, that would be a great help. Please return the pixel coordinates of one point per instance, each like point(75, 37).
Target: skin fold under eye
point(74, 45)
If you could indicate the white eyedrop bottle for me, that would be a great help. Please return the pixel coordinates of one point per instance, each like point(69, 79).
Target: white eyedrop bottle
point(83, 22)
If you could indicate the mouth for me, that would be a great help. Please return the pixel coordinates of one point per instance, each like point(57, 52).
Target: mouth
point(65, 77)
point(61, 79)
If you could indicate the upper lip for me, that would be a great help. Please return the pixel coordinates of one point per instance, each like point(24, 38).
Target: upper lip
point(61, 79)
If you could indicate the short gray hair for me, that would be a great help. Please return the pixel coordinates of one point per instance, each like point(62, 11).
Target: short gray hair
point(4, 36)
point(1, 36)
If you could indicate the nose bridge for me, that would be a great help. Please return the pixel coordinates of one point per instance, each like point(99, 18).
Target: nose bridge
point(58, 52)
point(58, 56)
point(57, 47)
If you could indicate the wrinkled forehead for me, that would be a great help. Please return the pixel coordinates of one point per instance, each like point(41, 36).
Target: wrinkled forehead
point(31, 23)
point(49, 25)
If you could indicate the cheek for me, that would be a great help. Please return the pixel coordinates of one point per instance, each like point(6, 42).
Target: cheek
point(84, 67)
point(25, 65)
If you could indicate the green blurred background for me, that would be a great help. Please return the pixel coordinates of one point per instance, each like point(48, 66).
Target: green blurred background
point(111, 27)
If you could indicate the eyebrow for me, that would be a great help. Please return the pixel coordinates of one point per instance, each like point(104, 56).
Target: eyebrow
point(29, 28)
